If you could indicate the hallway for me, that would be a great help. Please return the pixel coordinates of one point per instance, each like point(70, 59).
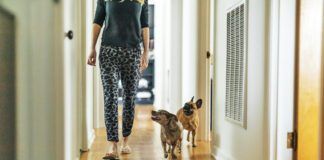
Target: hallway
point(145, 141)
point(257, 65)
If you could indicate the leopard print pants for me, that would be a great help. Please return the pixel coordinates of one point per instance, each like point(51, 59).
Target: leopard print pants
point(124, 64)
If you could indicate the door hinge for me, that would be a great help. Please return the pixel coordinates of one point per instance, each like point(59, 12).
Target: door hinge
point(292, 140)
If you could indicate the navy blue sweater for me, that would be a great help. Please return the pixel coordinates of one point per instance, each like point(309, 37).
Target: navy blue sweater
point(123, 21)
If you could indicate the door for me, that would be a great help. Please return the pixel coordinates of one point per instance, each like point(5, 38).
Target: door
point(204, 66)
point(71, 69)
point(309, 62)
point(7, 85)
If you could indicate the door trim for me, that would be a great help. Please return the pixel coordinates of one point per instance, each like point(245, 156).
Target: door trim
point(273, 77)
point(294, 156)
point(322, 100)
point(280, 119)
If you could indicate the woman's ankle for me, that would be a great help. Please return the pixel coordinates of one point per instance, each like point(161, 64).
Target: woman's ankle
point(114, 146)
point(125, 141)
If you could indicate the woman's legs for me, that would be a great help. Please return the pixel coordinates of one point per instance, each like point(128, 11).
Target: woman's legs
point(115, 61)
point(130, 76)
point(110, 75)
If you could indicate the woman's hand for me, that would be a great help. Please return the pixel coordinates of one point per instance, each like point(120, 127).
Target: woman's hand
point(92, 58)
point(144, 61)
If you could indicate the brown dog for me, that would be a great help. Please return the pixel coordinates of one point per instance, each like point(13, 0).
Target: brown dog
point(171, 131)
point(188, 116)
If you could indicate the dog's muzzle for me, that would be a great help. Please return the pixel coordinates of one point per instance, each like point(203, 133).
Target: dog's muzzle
point(154, 116)
point(187, 110)
point(187, 113)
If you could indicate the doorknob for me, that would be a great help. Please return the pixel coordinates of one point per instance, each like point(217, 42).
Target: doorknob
point(208, 54)
point(69, 34)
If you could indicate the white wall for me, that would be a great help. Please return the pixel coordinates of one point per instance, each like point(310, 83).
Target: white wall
point(160, 50)
point(98, 89)
point(231, 141)
point(189, 50)
point(174, 56)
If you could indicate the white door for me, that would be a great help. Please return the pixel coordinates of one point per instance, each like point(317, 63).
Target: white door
point(71, 81)
point(204, 67)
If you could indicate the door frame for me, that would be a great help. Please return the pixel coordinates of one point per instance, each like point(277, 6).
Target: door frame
point(74, 115)
point(281, 119)
point(273, 77)
point(81, 91)
point(87, 77)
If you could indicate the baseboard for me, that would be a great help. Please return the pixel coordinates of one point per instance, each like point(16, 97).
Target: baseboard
point(86, 147)
point(219, 154)
point(214, 156)
point(91, 138)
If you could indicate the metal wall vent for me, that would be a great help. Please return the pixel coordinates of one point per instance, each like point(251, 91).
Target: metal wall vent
point(236, 64)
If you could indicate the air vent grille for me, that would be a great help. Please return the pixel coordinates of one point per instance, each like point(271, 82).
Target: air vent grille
point(236, 65)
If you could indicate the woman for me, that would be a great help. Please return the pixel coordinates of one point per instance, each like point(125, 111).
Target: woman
point(125, 26)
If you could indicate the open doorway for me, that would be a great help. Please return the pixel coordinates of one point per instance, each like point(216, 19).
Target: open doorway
point(172, 76)
point(160, 82)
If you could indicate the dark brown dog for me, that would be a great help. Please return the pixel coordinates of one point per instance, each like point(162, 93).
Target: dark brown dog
point(188, 116)
point(171, 131)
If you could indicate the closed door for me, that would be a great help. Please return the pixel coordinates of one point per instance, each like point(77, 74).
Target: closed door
point(7, 86)
point(309, 64)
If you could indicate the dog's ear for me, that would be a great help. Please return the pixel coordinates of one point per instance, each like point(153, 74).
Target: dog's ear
point(175, 118)
point(199, 103)
point(172, 117)
point(192, 99)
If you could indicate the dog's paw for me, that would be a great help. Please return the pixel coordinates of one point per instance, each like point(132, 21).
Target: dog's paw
point(174, 157)
point(165, 155)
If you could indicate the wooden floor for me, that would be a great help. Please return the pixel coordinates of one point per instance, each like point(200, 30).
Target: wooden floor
point(145, 142)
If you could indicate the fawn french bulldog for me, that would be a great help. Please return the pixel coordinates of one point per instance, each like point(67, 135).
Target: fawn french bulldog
point(188, 116)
